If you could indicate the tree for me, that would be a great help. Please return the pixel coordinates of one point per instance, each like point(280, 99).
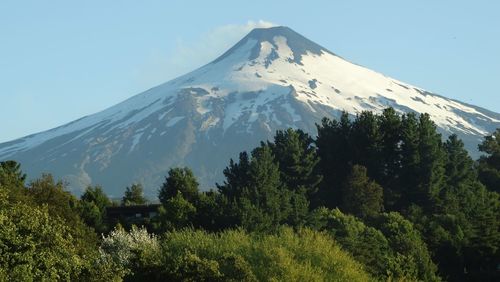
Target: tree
point(13, 178)
point(134, 195)
point(410, 160)
point(237, 177)
point(459, 166)
point(489, 165)
point(39, 245)
point(367, 244)
point(367, 141)
point(176, 213)
point(390, 127)
point(93, 204)
point(410, 251)
point(335, 153)
point(45, 192)
point(362, 197)
point(11, 174)
point(60, 202)
point(431, 167)
point(255, 195)
point(262, 204)
point(297, 160)
point(179, 181)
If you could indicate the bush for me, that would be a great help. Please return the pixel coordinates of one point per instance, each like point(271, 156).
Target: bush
point(238, 256)
point(233, 255)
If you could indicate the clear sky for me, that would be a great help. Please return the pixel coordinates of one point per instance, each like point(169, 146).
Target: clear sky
point(61, 60)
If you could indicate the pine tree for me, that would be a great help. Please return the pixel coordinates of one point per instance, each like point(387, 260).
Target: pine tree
point(237, 177)
point(365, 139)
point(431, 166)
point(335, 153)
point(362, 196)
point(459, 165)
point(297, 159)
point(11, 174)
point(390, 158)
point(93, 204)
point(134, 195)
point(410, 160)
point(12, 178)
point(179, 180)
point(258, 199)
point(489, 165)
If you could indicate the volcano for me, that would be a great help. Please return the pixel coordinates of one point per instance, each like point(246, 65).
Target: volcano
point(272, 79)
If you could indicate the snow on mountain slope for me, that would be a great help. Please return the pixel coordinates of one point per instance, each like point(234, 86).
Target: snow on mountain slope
point(273, 78)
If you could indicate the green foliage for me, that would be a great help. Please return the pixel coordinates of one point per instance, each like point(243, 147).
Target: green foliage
point(431, 169)
point(385, 250)
point(334, 149)
point(297, 160)
point(179, 181)
point(176, 213)
point(361, 196)
point(363, 165)
point(134, 195)
point(459, 167)
point(93, 203)
point(412, 259)
point(390, 127)
point(257, 198)
point(60, 203)
point(366, 244)
point(11, 174)
point(38, 246)
point(365, 137)
point(133, 255)
point(233, 255)
point(12, 178)
point(489, 165)
point(238, 256)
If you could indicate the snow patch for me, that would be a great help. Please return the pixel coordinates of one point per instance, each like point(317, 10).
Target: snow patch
point(173, 121)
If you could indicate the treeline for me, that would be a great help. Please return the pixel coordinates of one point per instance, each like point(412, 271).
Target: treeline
point(401, 204)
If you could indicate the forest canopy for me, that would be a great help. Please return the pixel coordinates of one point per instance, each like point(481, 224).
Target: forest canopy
point(371, 197)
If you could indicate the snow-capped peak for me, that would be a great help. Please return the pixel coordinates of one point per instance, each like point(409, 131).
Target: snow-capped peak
point(273, 78)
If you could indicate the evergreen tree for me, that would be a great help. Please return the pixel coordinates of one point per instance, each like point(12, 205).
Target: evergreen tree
point(431, 167)
point(11, 174)
point(297, 159)
point(237, 176)
point(489, 165)
point(179, 180)
point(258, 199)
point(93, 204)
point(390, 157)
point(362, 197)
point(334, 151)
point(365, 138)
point(261, 200)
point(459, 165)
point(410, 160)
point(134, 195)
point(482, 250)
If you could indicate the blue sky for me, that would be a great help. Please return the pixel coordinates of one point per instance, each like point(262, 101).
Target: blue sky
point(61, 60)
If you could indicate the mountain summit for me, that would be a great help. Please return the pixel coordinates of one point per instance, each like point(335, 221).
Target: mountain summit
point(272, 79)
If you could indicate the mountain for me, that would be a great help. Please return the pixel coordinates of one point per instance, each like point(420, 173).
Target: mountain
point(272, 79)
